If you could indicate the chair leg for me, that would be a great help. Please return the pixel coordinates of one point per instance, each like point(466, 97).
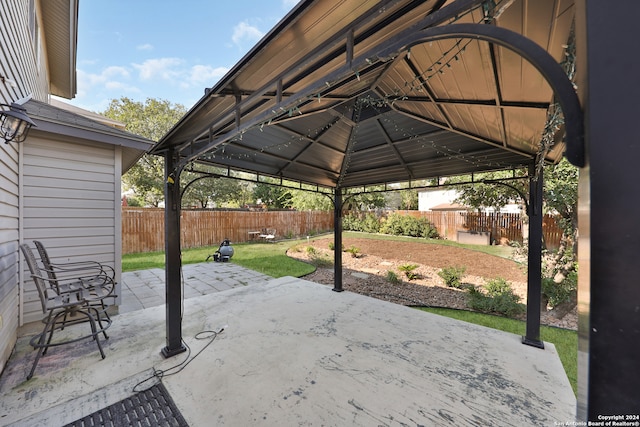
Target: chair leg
point(95, 332)
point(44, 338)
point(99, 319)
point(41, 346)
point(52, 328)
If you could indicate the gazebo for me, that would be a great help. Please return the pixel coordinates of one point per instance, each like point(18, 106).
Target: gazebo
point(341, 96)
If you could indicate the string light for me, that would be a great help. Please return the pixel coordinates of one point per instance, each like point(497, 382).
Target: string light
point(455, 52)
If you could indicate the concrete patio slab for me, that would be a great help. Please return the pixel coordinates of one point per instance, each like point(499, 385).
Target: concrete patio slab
point(296, 353)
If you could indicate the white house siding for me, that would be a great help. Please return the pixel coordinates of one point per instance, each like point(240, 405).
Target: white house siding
point(21, 62)
point(23, 59)
point(8, 250)
point(68, 200)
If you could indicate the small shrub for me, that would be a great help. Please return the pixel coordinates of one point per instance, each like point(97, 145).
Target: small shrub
point(497, 287)
point(452, 276)
point(311, 250)
point(355, 252)
point(558, 293)
point(392, 277)
point(320, 260)
point(332, 246)
point(499, 299)
point(296, 248)
point(408, 271)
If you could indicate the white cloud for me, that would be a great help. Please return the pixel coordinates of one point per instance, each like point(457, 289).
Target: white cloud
point(206, 74)
point(88, 81)
point(165, 78)
point(164, 68)
point(243, 34)
point(112, 82)
point(145, 46)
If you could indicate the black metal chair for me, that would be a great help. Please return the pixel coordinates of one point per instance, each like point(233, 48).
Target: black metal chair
point(63, 303)
point(96, 279)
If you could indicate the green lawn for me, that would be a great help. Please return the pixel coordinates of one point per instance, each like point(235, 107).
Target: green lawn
point(271, 259)
point(267, 258)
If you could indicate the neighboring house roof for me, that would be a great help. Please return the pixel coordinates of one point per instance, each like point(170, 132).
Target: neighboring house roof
point(60, 28)
point(61, 121)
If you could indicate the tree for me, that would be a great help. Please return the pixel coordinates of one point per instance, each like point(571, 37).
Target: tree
point(560, 196)
point(273, 196)
point(309, 201)
point(152, 120)
point(146, 179)
point(480, 196)
point(364, 201)
point(219, 191)
point(409, 199)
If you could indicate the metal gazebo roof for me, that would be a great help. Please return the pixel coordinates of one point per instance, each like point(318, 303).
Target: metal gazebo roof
point(345, 94)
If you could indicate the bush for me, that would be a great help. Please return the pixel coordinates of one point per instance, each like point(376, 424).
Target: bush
point(368, 223)
point(355, 252)
point(408, 271)
point(499, 299)
point(320, 260)
point(401, 225)
point(497, 287)
point(395, 224)
point(392, 277)
point(452, 276)
point(558, 293)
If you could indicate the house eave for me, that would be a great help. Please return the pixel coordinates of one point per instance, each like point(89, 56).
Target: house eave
point(60, 31)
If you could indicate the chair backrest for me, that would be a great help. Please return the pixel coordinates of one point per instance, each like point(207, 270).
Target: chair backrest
point(36, 275)
point(46, 261)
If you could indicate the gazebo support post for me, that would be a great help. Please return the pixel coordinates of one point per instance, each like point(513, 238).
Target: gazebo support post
point(608, 212)
point(337, 240)
point(534, 271)
point(173, 262)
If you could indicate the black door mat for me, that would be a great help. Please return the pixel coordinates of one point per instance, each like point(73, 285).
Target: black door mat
point(152, 407)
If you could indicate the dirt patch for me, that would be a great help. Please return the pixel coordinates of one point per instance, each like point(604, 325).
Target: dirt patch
point(367, 273)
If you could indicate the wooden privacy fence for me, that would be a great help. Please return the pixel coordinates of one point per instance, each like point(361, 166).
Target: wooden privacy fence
point(509, 226)
point(143, 228)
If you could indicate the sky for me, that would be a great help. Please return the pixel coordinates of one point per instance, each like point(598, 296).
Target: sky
point(164, 49)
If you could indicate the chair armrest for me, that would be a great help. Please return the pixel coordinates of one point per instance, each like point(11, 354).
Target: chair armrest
point(86, 269)
point(61, 287)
